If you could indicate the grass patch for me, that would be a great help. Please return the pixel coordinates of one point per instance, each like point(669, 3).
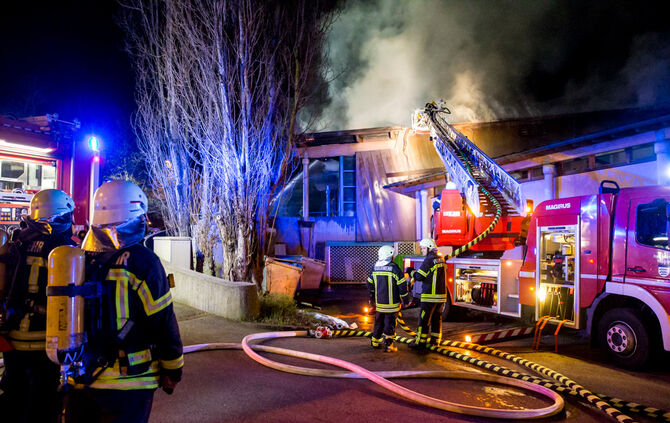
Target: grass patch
point(281, 310)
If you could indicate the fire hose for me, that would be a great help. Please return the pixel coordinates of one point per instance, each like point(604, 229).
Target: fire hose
point(517, 379)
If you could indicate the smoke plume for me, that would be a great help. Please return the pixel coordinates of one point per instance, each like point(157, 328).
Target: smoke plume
point(493, 59)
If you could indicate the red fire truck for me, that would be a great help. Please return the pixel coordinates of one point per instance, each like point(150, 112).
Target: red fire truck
point(44, 152)
point(598, 262)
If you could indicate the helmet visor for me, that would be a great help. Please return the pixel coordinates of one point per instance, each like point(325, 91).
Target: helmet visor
point(52, 225)
point(101, 238)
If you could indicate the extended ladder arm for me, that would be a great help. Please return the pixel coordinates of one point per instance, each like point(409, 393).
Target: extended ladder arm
point(458, 154)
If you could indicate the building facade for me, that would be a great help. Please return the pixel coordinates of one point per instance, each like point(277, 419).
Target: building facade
point(357, 190)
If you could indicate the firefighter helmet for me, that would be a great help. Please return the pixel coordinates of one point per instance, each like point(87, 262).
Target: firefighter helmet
point(49, 203)
point(385, 253)
point(119, 217)
point(427, 243)
point(118, 201)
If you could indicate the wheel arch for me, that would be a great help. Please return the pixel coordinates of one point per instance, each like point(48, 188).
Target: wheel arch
point(630, 296)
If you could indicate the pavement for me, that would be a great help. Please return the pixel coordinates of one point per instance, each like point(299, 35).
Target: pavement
point(227, 386)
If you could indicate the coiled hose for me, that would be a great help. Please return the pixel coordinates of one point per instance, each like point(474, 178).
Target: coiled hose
point(381, 378)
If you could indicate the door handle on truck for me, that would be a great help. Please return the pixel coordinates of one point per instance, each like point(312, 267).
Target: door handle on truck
point(636, 269)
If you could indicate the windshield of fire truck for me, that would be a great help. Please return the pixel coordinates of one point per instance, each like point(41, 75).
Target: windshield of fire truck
point(26, 176)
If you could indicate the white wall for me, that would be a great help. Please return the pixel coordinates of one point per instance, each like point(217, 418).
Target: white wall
point(641, 174)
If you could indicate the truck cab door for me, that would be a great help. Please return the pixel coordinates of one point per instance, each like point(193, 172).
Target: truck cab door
point(647, 252)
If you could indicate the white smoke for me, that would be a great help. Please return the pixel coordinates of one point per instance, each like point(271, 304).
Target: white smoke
point(484, 58)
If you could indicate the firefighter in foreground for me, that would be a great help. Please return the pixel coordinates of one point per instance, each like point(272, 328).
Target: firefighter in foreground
point(388, 291)
point(30, 380)
point(133, 344)
point(431, 274)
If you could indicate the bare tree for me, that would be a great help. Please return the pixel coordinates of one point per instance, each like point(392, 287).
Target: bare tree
point(219, 88)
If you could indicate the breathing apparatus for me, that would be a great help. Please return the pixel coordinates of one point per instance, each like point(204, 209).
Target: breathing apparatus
point(118, 222)
point(66, 291)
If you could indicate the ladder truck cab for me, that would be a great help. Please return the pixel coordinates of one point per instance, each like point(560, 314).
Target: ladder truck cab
point(599, 263)
point(44, 152)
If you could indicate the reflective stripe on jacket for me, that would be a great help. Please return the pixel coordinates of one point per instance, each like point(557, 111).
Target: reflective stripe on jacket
point(387, 286)
point(432, 275)
point(138, 309)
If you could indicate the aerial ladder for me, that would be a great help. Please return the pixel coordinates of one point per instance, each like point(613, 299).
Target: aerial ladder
point(493, 212)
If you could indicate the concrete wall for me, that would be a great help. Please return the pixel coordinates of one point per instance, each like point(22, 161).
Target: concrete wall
point(233, 300)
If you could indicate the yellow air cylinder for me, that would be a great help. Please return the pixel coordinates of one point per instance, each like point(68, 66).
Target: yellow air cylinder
point(65, 313)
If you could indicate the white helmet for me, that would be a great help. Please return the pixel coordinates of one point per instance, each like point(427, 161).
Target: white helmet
point(385, 253)
point(427, 243)
point(50, 203)
point(118, 201)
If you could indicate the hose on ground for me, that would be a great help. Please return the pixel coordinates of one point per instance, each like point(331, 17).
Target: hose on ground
point(564, 385)
point(382, 380)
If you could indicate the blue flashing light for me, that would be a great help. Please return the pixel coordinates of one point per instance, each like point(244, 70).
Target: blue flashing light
point(94, 144)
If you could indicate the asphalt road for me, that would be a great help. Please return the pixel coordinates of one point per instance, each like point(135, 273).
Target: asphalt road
point(227, 386)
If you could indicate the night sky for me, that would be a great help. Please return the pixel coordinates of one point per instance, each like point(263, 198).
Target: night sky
point(495, 59)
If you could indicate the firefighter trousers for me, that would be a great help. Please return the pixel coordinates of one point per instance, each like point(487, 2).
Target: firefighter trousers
point(107, 406)
point(30, 385)
point(384, 329)
point(430, 323)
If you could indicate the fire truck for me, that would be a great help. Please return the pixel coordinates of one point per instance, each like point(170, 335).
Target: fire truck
point(45, 152)
point(599, 263)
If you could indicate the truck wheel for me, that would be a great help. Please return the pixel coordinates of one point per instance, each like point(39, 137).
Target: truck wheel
point(625, 339)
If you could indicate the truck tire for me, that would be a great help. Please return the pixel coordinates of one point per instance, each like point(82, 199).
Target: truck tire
point(624, 337)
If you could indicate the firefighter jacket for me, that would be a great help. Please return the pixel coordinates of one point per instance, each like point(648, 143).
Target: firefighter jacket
point(132, 331)
point(28, 299)
point(387, 287)
point(432, 275)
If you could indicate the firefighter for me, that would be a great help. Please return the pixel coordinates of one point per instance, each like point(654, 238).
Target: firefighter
point(388, 290)
point(431, 274)
point(133, 344)
point(30, 379)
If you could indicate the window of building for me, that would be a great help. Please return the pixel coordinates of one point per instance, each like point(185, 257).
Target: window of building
point(642, 153)
point(332, 189)
point(624, 156)
point(520, 175)
point(651, 224)
point(290, 197)
point(578, 165)
point(535, 173)
point(611, 158)
point(324, 186)
point(348, 186)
